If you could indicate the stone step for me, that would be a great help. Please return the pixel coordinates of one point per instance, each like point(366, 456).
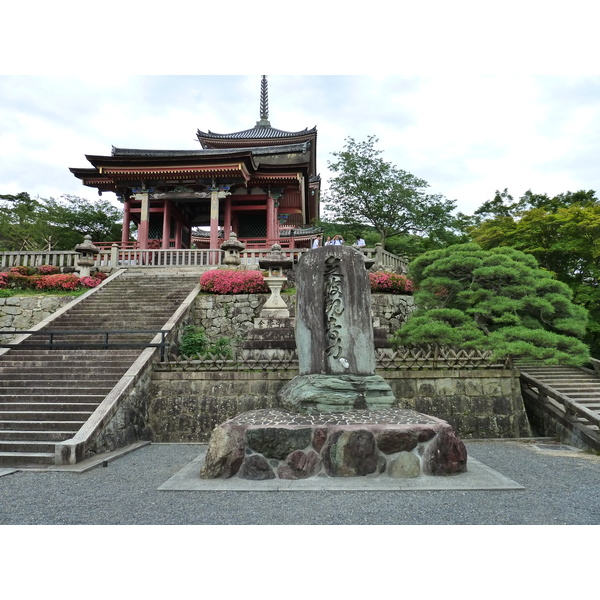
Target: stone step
point(91, 316)
point(24, 459)
point(91, 374)
point(93, 398)
point(41, 426)
point(76, 342)
point(53, 366)
point(66, 355)
point(63, 390)
point(564, 388)
point(41, 436)
point(71, 372)
point(51, 384)
point(26, 446)
point(47, 416)
point(56, 405)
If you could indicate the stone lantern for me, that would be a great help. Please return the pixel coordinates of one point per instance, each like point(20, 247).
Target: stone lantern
point(87, 258)
point(275, 262)
point(232, 248)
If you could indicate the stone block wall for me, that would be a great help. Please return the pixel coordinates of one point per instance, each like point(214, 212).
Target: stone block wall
point(478, 403)
point(185, 406)
point(23, 312)
point(233, 316)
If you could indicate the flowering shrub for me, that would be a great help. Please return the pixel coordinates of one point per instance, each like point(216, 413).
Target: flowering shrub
point(60, 282)
point(16, 280)
point(3, 280)
point(220, 281)
point(387, 282)
point(25, 271)
point(90, 282)
point(48, 270)
point(99, 275)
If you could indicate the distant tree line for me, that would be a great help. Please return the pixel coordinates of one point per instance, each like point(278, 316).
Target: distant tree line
point(36, 224)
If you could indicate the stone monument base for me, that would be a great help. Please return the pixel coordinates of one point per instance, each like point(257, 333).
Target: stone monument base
point(269, 444)
point(329, 393)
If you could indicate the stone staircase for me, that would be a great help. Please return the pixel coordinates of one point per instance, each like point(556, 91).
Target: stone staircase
point(47, 395)
point(565, 385)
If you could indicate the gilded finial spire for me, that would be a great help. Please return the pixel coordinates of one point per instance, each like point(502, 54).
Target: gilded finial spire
point(264, 104)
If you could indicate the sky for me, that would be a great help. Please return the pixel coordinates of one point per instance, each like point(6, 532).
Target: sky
point(466, 135)
point(471, 97)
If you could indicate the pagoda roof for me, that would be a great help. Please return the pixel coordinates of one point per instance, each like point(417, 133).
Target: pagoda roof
point(299, 147)
point(259, 132)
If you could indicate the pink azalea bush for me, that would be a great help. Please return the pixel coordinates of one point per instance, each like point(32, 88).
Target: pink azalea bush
point(219, 281)
point(60, 282)
point(25, 271)
point(47, 278)
point(48, 270)
point(13, 279)
point(387, 282)
point(90, 282)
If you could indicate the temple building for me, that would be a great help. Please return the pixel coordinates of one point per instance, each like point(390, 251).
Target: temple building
point(261, 183)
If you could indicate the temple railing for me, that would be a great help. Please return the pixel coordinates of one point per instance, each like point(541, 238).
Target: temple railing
point(408, 358)
point(118, 257)
point(36, 259)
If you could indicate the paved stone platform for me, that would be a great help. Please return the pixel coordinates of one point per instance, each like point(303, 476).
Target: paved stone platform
point(477, 477)
point(385, 416)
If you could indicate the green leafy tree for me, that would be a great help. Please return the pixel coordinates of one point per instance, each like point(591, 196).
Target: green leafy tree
point(55, 224)
point(563, 234)
point(367, 190)
point(498, 300)
point(73, 217)
point(20, 225)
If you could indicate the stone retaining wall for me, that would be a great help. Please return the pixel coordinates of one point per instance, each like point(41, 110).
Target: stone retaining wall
point(23, 312)
point(185, 406)
point(233, 316)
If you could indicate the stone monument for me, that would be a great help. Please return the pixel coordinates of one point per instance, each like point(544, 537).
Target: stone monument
point(338, 419)
point(334, 336)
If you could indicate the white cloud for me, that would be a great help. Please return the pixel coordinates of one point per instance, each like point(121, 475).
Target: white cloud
point(466, 135)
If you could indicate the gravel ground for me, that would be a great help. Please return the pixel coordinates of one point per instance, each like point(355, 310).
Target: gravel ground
point(560, 488)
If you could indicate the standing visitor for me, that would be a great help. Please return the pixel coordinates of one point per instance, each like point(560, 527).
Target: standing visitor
point(359, 242)
point(338, 240)
point(316, 242)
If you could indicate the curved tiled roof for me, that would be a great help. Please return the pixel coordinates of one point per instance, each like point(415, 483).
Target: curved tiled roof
point(256, 133)
point(299, 147)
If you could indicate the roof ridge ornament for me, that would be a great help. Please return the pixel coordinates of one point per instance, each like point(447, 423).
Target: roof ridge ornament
point(264, 104)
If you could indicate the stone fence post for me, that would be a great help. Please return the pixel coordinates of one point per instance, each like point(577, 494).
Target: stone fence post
point(378, 256)
point(114, 256)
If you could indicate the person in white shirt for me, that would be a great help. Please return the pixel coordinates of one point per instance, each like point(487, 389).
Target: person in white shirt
point(359, 241)
point(316, 242)
point(338, 240)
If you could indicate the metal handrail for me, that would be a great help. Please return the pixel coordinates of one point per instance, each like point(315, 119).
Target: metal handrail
point(104, 345)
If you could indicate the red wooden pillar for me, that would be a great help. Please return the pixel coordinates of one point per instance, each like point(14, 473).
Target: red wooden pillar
point(166, 233)
point(126, 222)
point(178, 233)
point(227, 219)
point(214, 218)
point(270, 220)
